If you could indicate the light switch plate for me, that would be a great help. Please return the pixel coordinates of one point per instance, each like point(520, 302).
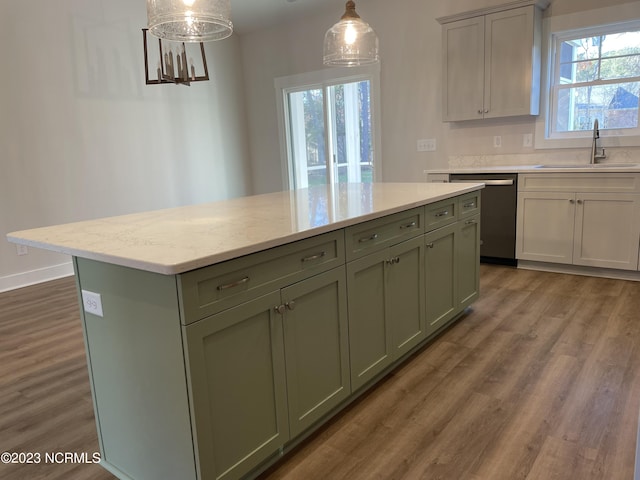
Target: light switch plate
point(497, 141)
point(427, 145)
point(92, 303)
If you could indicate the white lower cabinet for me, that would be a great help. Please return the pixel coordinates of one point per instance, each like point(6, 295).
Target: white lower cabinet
point(587, 228)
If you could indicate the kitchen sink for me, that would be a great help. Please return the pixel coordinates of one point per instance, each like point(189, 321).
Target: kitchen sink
point(592, 165)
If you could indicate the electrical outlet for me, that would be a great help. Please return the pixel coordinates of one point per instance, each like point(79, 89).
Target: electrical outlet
point(527, 140)
point(427, 145)
point(497, 141)
point(92, 303)
point(22, 250)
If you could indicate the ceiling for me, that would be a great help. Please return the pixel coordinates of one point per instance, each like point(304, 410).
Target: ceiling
point(250, 15)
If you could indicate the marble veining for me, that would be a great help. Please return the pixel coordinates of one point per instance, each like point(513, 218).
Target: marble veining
point(177, 240)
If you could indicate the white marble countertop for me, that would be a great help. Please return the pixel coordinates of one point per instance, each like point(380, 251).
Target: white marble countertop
point(551, 168)
point(177, 240)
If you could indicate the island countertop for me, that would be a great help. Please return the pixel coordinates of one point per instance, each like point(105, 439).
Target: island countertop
point(176, 240)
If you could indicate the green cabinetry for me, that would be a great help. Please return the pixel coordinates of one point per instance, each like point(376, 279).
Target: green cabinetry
point(452, 264)
point(386, 307)
point(316, 347)
point(237, 387)
point(266, 370)
point(214, 373)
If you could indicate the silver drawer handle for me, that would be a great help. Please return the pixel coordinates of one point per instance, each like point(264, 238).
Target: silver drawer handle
point(234, 284)
point(442, 214)
point(430, 245)
point(408, 225)
point(368, 239)
point(469, 205)
point(469, 222)
point(313, 257)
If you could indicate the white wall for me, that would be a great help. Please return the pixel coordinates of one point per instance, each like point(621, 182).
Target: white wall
point(82, 136)
point(411, 85)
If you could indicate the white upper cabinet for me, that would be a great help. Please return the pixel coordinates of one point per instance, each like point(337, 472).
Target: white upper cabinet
point(491, 64)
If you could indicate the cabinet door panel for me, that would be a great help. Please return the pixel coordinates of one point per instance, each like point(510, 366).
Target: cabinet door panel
point(405, 286)
point(463, 69)
point(607, 233)
point(468, 248)
point(316, 347)
point(440, 276)
point(370, 346)
point(508, 51)
point(545, 224)
point(236, 366)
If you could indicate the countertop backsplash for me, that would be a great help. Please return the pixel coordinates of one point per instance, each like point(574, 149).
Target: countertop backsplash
point(614, 155)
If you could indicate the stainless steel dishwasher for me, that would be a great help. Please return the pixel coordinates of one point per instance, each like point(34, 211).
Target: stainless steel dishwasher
point(497, 216)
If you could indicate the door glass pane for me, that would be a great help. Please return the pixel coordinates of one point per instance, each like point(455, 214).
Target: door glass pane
point(307, 133)
point(351, 139)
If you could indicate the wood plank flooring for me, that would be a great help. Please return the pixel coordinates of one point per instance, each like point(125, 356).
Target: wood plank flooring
point(541, 380)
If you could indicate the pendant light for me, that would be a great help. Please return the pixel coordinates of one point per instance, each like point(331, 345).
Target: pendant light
point(190, 20)
point(351, 41)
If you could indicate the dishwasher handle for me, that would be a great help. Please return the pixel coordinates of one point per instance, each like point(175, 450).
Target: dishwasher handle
point(505, 182)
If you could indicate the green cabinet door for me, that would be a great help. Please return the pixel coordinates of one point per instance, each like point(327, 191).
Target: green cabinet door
point(370, 345)
point(386, 307)
point(441, 276)
point(468, 252)
point(316, 347)
point(406, 293)
point(238, 389)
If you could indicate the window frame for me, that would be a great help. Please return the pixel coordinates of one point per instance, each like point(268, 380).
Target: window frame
point(597, 21)
point(324, 79)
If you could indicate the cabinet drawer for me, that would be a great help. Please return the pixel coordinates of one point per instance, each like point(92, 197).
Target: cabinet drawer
point(212, 289)
point(600, 182)
point(469, 204)
point(441, 213)
point(382, 232)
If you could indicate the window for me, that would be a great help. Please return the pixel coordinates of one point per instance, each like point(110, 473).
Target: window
point(328, 127)
point(595, 75)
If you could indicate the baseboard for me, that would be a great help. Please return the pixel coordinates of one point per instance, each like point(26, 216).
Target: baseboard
point(32, 277)
point(580, 270)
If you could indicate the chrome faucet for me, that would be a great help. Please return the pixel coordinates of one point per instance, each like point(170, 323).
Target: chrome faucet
point(594, 144)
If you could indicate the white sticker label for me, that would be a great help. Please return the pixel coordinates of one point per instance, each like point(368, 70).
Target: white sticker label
point(92, 303)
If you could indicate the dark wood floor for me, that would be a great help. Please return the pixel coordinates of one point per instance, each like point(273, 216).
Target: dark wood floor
point(541, 380)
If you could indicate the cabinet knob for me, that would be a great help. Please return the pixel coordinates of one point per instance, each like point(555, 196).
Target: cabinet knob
point(580, 202)
point(572, 201)
point(290, 305)
point(430, 245)
point(486, 111)
point(479, 112)
point(279, 309)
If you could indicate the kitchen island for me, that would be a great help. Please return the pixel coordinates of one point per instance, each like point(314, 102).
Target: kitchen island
point(220, 335)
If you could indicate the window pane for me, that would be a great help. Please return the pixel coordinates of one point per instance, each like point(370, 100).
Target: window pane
point(621, 43)
point(306, 115)
point(615, 106)
point(620, 67)
point(586, 71)
point(584, 48)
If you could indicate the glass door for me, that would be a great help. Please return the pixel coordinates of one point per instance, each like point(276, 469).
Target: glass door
point(330, 134)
